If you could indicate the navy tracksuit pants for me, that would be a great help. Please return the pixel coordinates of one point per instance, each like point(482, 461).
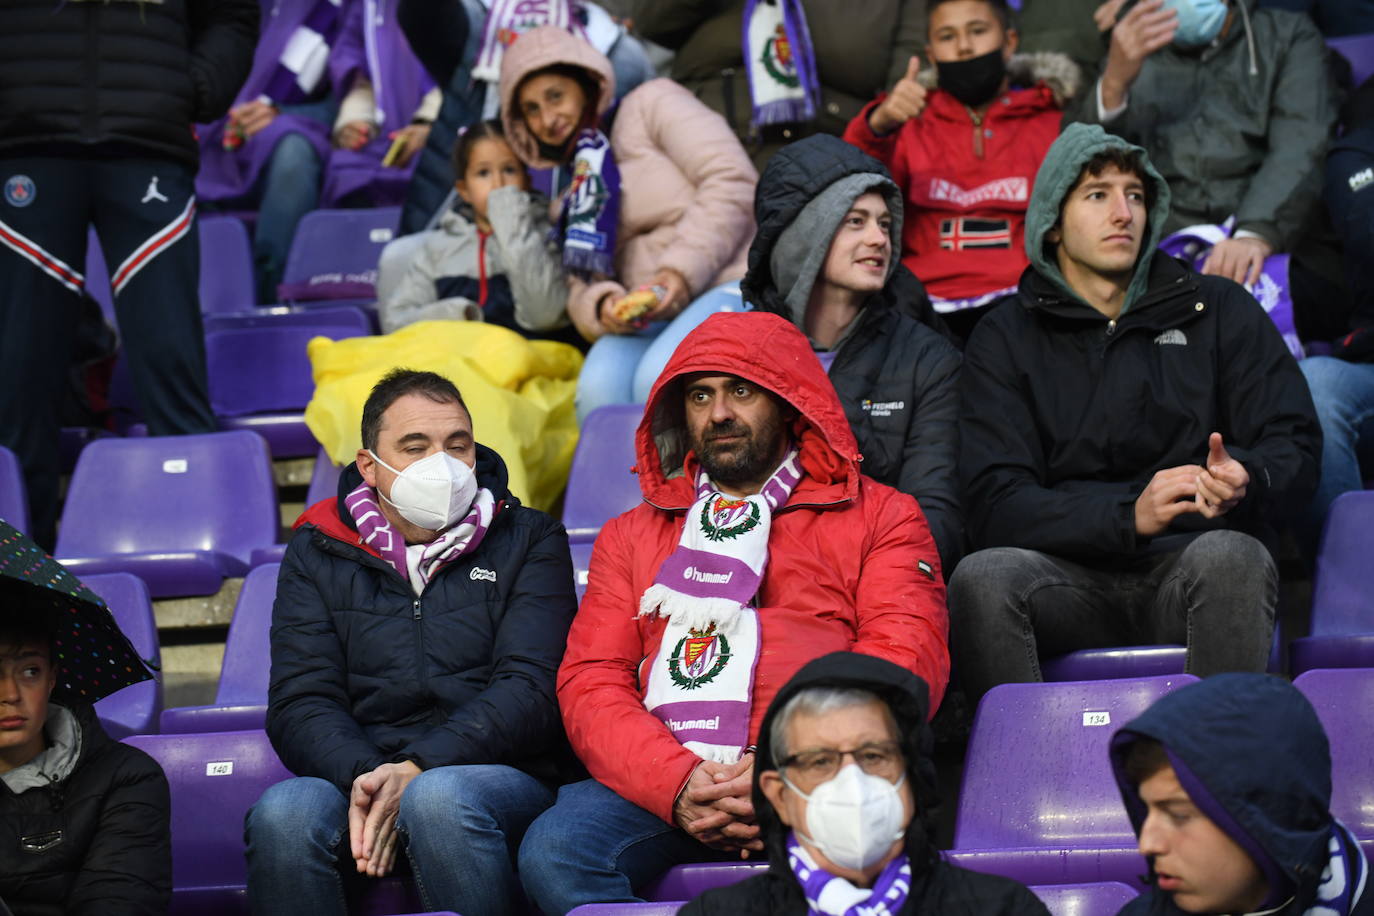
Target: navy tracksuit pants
point(143, 211)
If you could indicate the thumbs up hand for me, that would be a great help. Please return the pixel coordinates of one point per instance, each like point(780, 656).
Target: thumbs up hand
point(906, 101)
point(1221, 483)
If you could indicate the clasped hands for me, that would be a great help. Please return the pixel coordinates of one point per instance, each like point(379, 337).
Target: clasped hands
point(1210, 491)
point(373, 805)
point(715, 806)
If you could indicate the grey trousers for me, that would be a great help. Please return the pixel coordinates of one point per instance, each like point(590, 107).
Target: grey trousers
point(1008, 607)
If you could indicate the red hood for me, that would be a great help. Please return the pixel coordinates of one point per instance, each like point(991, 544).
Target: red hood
point(324, 515)
point(768, 350)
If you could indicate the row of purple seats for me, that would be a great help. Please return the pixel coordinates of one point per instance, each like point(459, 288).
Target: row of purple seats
point(14, 499)
point(1342, 634)
point(181, 512)
point(1101, 899)
point(135, 709)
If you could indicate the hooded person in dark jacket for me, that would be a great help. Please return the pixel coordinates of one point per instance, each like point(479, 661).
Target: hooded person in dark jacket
point(418, 625)
point(823, 258)
point(1131, 432)
point(1228, 785)
point(83, 819)
point(853, 722)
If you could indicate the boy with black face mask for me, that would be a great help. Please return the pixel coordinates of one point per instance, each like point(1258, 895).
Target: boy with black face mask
point(964, 146)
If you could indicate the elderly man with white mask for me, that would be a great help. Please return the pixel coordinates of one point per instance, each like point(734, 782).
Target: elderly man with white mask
point(843, 792)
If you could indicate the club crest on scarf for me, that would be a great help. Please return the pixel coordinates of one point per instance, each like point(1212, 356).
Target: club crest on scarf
point(724, 518)
point(777, 59)
point(698, 657)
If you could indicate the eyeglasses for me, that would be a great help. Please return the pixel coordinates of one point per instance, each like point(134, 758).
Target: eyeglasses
point(877, 758)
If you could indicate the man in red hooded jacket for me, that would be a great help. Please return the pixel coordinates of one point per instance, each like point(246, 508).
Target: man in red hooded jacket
point(759, 546)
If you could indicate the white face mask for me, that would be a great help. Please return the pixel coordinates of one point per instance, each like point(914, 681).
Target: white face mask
point(1199, 21)
point(854, 818)
point(434, 493)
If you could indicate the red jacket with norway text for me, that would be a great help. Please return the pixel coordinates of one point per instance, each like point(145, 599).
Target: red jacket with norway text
point(843, 572)
point(966, 183)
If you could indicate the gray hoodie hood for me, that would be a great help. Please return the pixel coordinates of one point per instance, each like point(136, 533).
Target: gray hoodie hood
point(57, 760)
point(1057, 176)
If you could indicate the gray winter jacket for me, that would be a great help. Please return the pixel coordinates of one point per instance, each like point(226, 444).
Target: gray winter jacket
point(1240, 128)
point(441, 279)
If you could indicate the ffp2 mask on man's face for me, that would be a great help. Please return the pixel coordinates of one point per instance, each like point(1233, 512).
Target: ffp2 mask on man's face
point(432, 493)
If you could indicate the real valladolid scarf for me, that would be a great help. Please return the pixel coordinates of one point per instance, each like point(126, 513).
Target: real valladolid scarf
point(591, 206)
point(702, 678)
point(780, 61)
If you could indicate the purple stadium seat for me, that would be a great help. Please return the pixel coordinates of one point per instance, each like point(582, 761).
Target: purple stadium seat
point(1344, 700)
point(601, 484)
point(14, 499)
point(324, 481)
point(1109, 663)
point(1038, 802)
point(582, 562)
point(1359, 50)
point(181, 512)
point(226, 266)
point(1342, 590)
point(135, 709)
point(241, 701)
point(667, 908)
point(683, 882)
point(262, 374)
point(335, 253)
point(1105, 898)
point(215, 778)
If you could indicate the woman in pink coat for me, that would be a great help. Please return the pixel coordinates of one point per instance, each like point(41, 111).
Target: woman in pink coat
point(654, 196)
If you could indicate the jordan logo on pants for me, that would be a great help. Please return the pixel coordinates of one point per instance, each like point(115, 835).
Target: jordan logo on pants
point(153, 193)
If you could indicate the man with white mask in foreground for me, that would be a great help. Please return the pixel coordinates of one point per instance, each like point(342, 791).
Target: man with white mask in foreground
point(843, 793)
point(419, 621)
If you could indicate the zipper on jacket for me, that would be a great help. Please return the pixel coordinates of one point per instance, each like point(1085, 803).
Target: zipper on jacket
point(1111, 327)
point(977, 133)
point(415, 615)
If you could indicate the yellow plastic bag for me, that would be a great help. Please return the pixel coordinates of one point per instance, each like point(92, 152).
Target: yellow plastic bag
point(520, 393)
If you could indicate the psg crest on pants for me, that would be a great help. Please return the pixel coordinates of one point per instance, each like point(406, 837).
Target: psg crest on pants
point(19, 190)
point(698, 657)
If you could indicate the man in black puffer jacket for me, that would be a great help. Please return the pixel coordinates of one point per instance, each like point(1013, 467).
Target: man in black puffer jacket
point(844, 725)
point(826, 263)
point(97, 103)
point(83, 819)
point(419, 622)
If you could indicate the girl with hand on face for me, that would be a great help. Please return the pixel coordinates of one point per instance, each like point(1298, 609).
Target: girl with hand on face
point(490, 258)
point(654, 201)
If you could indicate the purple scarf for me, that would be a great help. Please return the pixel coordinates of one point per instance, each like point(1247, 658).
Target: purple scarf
point(302, 63)
point(591, 206)
point(508, 20)
point(376, 532)
point(828, 895)
point(780, 61)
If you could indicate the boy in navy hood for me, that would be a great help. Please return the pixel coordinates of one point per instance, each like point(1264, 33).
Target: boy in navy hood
point(1224, 833)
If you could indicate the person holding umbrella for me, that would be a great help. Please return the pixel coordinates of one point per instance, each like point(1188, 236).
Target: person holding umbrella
point(84, 820)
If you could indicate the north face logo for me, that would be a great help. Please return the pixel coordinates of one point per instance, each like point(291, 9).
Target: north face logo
point(488, 575)
point(1361, 179)
point(1173, 336)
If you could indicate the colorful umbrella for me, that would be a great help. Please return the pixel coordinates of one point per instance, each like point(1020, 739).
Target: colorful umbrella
point(94, 657)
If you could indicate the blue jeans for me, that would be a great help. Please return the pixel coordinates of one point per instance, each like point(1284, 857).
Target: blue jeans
point(459, 826)
point(593, 846)
point(1344, 396)
point(290, 189)
point(622, 368)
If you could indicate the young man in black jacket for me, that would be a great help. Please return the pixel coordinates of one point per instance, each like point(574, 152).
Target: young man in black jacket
point(419, 622)
point(1131, 433)
point(84, 820)
point(98, 103)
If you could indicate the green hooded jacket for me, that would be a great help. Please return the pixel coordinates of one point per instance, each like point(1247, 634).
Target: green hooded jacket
point(1057, 176)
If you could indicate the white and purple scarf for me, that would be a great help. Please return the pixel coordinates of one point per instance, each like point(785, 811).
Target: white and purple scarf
point(591, 206)
point(702, 678)
point(1343, 880)
point(506, 21)
point(830, 895)
point(780, 61)
point(305, 56)
point(418, 564)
